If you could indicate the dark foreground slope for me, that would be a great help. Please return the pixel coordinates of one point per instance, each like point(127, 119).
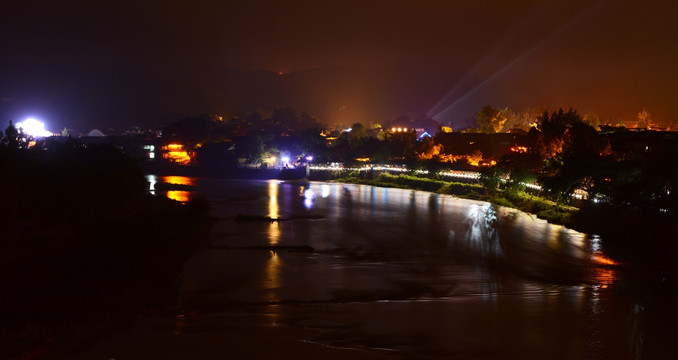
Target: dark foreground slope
point(84, 248)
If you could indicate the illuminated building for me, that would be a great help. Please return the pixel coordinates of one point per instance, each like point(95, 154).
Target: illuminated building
point(176, 153)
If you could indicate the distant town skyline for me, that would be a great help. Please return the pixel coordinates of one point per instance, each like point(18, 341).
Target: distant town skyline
point(87, 65)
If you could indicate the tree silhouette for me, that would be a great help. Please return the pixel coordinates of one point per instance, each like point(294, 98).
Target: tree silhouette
point(12, 138)
point(357, 136)
point(490, 120)
point(644, 119)
point(517, 120)
point(571, 151)
point(592, 119)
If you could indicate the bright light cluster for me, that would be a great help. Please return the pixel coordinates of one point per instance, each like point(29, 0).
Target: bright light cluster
point(474, 175)
point(452, 173)
point(33, 128)
point(176, 154)
point(519, 149)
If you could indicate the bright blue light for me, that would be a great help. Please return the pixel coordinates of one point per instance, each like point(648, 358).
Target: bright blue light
point(309, 195)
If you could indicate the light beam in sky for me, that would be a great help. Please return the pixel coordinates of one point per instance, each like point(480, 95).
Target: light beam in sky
point(505, 40)
point(525, 54)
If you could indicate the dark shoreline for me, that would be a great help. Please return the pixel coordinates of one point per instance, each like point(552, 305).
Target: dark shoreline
point(66, 286)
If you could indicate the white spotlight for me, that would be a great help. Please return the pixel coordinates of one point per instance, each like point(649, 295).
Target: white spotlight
point(33, 127)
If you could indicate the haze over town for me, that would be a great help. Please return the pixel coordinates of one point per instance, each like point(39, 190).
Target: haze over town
point(86, 65)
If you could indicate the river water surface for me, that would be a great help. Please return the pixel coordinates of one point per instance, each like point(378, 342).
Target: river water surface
point(360, 272)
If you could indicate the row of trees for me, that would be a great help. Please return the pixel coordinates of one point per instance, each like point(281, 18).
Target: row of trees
point(566, 153)
point(493, 120)
point(562, 151)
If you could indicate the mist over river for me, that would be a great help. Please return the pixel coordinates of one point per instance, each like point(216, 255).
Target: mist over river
point(361, 272)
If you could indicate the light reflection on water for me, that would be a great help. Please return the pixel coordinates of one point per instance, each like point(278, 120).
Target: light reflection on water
point(152, 180)
point(179, 195)
point(179, 180)
point(309, 196)
point(425, 274)
point(324, 190)
point(273, 213)
point(182, 196)
point(271, 280)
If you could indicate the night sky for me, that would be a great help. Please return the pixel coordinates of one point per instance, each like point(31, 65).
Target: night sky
point(116, 64)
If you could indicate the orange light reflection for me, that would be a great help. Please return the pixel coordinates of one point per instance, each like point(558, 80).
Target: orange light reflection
point(605, 277)
point(179, 195)
point(179, 324)
point(274, 230)
point(178, 180)
point(600, 259)
point(271, 281)
point(604, 274)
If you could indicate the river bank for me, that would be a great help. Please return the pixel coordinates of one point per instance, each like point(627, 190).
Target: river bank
point(633, 236)
point(520, 200)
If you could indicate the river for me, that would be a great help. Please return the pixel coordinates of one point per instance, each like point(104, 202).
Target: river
point(361, 272)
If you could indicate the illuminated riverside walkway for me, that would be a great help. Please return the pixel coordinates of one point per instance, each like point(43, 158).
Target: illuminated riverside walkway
point(275, 172)
point(471, 175)
point(459, 174)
